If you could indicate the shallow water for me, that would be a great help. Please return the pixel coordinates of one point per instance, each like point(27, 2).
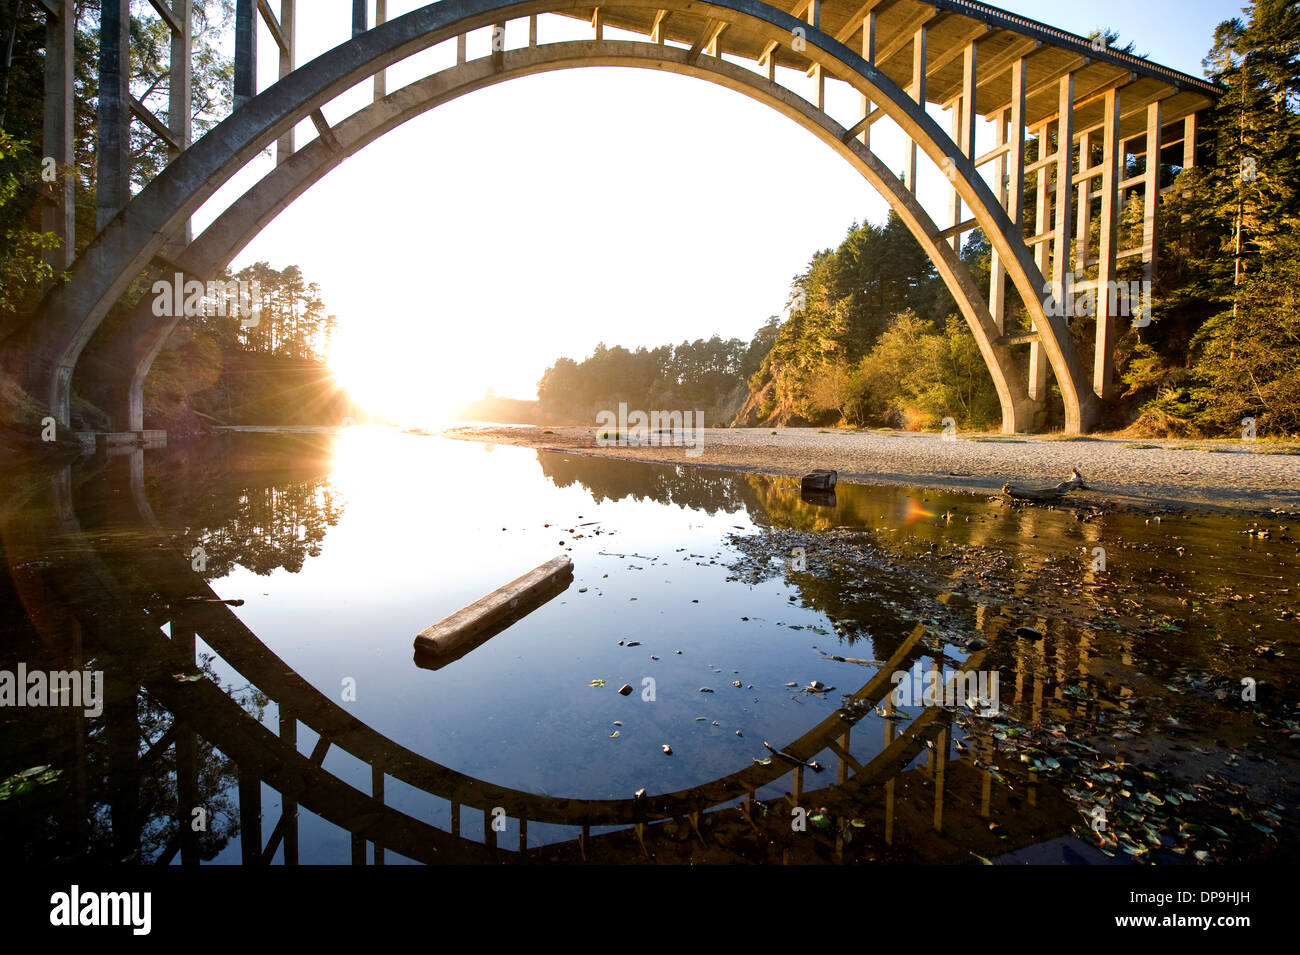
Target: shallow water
point(342, 548)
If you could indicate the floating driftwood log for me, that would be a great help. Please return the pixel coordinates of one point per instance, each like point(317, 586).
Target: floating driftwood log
point(818, 481)
point(452, 637)
point(1074, 482)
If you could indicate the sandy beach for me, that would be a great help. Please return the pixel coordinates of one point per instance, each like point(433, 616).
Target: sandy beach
point(1212, 475)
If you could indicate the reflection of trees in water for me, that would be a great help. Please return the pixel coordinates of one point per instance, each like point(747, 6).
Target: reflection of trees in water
point(216, 778)
point(613, 480)
point(860, 585)
point(258, 501)
point(271, 528)
point(866, 592)
point(130, 809)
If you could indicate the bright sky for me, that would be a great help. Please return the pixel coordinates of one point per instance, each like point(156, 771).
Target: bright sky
point(471, 247)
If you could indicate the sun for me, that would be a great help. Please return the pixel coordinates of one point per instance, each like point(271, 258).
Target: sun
point(411, 387)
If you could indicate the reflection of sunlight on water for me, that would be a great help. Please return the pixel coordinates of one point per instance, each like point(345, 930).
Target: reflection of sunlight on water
point(916, 511)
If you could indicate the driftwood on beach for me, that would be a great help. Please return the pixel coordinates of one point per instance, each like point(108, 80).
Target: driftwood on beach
point(1020, 493)
point(470, 626)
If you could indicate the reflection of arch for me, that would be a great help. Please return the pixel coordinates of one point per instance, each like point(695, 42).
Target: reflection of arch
point(114, 582)
point(147, 584)
point(124, 249)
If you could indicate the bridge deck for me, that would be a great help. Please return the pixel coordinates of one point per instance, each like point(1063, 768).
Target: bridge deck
point(951, 25)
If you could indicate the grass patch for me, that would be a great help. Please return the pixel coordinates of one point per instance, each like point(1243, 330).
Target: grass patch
point(1141, 447)
point(1284, 449)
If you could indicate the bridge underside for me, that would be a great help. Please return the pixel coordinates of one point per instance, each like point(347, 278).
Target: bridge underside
point(1087, 109)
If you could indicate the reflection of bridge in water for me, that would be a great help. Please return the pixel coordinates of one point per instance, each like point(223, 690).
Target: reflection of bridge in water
point(119, 590)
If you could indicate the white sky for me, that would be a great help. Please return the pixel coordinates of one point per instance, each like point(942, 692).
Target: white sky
point(471, 247)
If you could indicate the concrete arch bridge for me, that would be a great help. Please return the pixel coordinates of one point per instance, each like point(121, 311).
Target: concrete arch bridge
point(1088, 108)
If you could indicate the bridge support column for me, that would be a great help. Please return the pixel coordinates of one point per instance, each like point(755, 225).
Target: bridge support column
point(1010, 171)
point(1150, 212)
point(284, 31)
point(381, 77)
point(113, 174)
point(917, 91)
point(1104, 350)
point(868, 54)
point(1062, 228)
point(59, 213)
point(245, 52)
point(1037, 356)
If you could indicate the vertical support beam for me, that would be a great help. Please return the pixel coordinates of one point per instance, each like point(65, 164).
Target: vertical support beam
point(377, 790)
point(187, 744)
point(245, 51)
point(771, 66)
point(381, 90)
point(1012, 179)
point(250, 818)
point(1016, 152)
point(964, 119)
point(180, 79)
point(819, 77)
point(359, 18)
point(657, 31)
point(1083, 208)
point(289, 807)
point(113, 177)
point(1150, 211)
point(1063, 231)
point(940, 767)
point(598, 23)
point(1042, 256)
point(460, 50)
point(1103, 372)
point(889, 784)
point(284, 146)
point(868, 54)
point(1189, 142)
point(997, 275)
point(59, 214)
point(917, 90)
point(499, 45)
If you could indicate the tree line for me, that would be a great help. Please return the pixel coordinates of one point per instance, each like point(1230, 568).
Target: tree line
point(703, 375)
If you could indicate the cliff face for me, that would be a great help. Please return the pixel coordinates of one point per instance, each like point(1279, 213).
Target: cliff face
point(762, 409)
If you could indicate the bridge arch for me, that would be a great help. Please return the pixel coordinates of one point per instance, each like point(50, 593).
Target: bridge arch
point(122, 251)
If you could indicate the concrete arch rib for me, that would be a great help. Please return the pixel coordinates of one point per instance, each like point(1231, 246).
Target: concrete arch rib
point(126, 246)
point(137, 341)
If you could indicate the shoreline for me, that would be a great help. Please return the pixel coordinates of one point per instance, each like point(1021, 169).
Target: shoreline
point(1151, 474)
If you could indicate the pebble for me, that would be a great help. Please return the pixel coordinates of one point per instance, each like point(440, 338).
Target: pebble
point(668, 750)
point(625, 689)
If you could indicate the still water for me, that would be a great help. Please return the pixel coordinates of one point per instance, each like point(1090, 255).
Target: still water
point(294, 724)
